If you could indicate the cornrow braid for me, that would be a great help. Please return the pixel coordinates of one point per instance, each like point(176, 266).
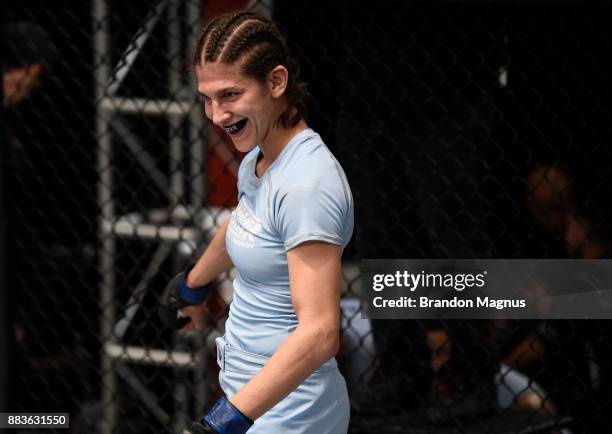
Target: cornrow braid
point(218, 43)
point(203, 37)
point(253, 34)
point(260, 46)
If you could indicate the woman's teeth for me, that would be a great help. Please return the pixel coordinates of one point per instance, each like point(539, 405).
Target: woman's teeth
point(234, 128)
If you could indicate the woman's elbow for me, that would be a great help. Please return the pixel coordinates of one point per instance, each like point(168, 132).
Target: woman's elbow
point(321, 336)
point(328, 342)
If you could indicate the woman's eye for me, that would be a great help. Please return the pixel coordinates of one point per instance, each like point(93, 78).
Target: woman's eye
point(230, 94)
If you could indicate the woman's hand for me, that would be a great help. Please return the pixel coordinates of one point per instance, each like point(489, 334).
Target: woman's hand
point(197, 313)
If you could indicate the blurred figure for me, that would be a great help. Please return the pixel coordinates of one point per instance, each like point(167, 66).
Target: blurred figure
point(570, 358)
point(463, 371)
point(26, 54)
point(513, 389)
point(551, 201)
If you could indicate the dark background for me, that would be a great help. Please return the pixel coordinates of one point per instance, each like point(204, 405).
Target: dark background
point(405, 94)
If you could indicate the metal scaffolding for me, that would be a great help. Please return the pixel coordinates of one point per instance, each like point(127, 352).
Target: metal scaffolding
point(181, 209)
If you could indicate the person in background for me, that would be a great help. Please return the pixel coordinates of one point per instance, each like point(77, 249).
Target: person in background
point(26, 56)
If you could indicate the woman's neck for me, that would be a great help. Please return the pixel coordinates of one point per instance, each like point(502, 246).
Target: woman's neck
point(276, 142)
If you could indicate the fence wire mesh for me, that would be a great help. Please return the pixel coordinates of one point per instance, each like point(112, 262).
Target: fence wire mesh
point(467, 130)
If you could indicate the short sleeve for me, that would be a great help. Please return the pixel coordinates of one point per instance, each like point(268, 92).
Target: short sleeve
point(312, 213)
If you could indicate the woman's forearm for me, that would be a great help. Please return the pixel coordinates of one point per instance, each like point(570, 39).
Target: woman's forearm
point(213, 261)
point(305, 350)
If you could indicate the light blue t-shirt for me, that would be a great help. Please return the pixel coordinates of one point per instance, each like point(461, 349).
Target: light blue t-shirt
point(302, 196)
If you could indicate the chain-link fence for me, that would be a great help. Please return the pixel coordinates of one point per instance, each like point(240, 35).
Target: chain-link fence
point(467, 130)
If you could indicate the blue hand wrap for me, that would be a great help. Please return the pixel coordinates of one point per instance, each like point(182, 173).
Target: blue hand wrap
point(224, 418)
point(192, 296)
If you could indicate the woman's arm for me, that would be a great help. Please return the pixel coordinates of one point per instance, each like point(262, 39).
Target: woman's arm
point(314, 274)
point(213, 262)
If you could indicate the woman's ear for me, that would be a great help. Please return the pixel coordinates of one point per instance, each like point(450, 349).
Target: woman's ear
point(278, 79)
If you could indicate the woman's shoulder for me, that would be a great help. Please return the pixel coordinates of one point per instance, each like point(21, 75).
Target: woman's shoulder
point(311, 170)
point(309, 156)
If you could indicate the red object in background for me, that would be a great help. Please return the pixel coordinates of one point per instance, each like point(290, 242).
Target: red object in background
point(214, 8)
point(222, 161)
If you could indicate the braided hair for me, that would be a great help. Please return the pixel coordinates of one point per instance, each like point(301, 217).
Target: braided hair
point(260, 46)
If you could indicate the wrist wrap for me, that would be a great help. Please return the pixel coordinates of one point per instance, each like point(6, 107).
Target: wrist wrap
point(178, 295)
point(224, 418)
point(191, 295)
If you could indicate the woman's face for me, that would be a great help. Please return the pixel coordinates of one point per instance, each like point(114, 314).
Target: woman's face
point(242, 106)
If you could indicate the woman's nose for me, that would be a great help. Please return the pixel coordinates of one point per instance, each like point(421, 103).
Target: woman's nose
point(219, 114)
